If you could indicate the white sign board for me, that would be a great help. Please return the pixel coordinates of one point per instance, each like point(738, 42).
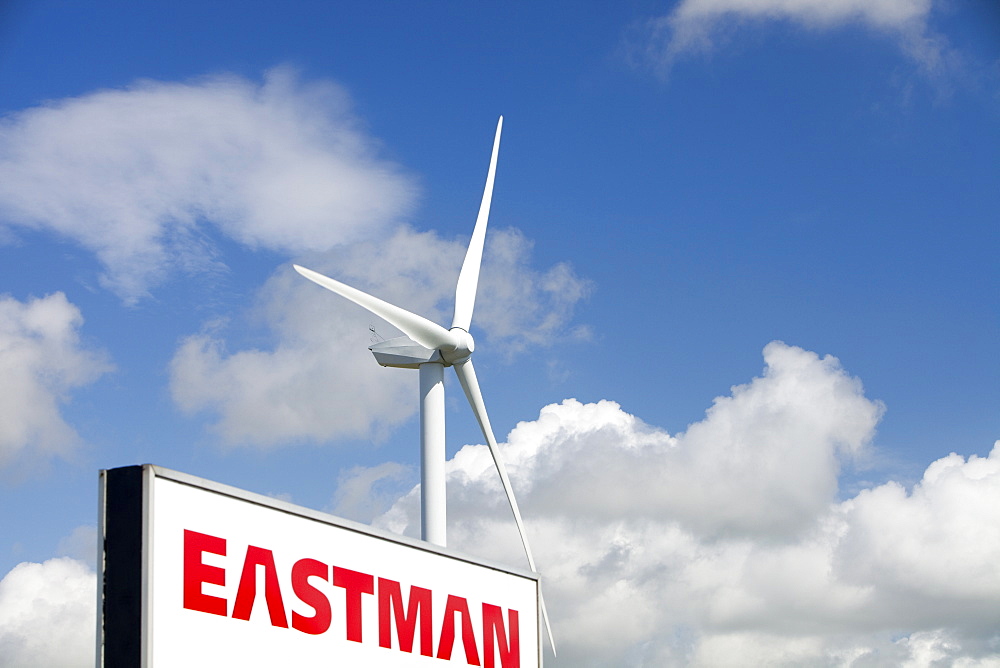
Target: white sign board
point(233, 578)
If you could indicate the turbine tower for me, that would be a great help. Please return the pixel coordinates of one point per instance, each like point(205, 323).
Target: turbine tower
point(430, 347)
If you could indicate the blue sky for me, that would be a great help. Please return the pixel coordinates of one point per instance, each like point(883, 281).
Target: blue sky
point(679, 185)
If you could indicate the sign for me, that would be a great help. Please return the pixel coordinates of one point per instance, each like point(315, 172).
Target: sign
point(195, 573)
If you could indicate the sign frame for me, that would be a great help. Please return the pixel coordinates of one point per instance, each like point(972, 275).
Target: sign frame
point(127, 506)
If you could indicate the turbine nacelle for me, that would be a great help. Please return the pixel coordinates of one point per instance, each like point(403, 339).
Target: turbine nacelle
point(402, 352)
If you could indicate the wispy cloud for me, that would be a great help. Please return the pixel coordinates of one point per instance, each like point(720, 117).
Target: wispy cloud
point(145, 176)
point(41, 360)
point(698, 26)
point(319, 382)
point(364, 492)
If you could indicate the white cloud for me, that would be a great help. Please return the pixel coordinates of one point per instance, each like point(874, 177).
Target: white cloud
point(136, 175)
point(930, 542)
point(696, 25)
point(924, 649)
point(886, 14)
point(41, 360)
point(725, 545)
point(47, 615)
point(320, 382)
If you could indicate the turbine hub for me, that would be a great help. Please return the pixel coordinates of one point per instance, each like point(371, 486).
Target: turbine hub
point(464, 346)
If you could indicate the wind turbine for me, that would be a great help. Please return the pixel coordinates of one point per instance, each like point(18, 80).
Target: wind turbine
point(430, 347)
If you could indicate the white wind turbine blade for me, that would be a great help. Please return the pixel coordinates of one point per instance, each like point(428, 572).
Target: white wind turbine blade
point(468, 278)
point(420, 329)
point(467, 377)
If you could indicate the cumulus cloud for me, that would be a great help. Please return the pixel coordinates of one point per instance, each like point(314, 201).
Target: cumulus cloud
point(930, 541)
point(804, 414)
point(48, 615)
point(319, 381)
point(145, 176)
point(696, 25)
point(726, 544)
point(41, 360)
